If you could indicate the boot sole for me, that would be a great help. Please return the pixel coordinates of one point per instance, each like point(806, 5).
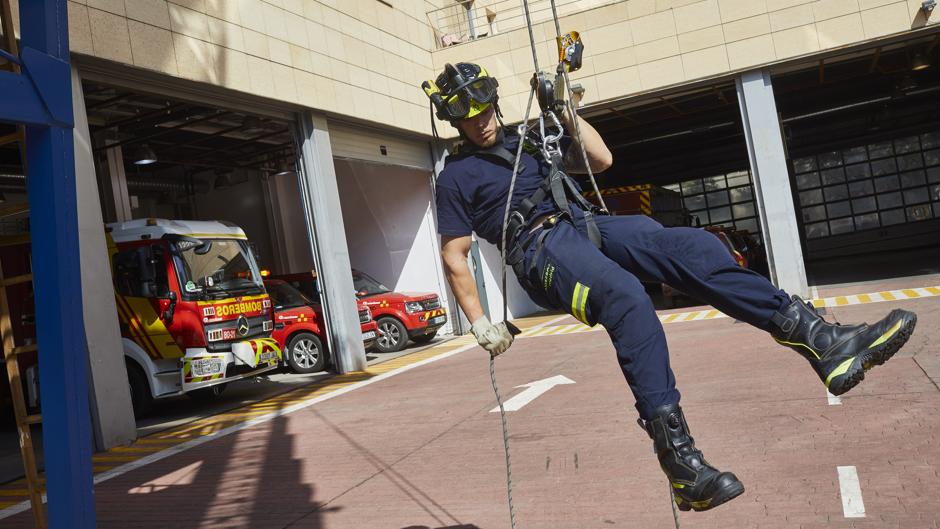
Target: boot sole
point(724, 496)
point(874, 356)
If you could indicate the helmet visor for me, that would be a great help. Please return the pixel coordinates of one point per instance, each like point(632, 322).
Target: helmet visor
point(482, 90)
point(472, 98)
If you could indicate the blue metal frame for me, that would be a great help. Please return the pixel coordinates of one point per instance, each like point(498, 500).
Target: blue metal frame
point(41, 98)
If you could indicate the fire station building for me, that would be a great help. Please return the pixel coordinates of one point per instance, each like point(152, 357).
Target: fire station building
point(809, 124)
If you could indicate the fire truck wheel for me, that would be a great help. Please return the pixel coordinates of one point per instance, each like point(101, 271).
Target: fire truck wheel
point(393, 336)
point(305, 353)
point(141, 399)
point(207, 394)
point(424, 338)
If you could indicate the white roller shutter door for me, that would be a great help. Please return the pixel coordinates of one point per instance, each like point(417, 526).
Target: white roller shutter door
point(359, 143)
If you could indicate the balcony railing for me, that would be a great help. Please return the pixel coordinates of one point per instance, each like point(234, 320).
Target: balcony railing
point(469, 20)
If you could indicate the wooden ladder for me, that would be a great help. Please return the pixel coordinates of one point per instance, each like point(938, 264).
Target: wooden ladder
point(10, 350)
point(23, 419)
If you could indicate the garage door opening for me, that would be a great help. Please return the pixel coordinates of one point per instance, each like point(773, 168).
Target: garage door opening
point(164, 157)
point(864, 147)
point(684, 151)
point(384, 182)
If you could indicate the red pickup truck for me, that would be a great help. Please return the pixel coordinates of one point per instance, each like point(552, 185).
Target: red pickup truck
point(400, 316)
point(299, 328)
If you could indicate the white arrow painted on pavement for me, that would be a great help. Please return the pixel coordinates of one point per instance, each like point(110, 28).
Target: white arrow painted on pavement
point(533, 390)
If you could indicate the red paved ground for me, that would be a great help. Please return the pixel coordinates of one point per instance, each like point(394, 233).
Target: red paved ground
point(421, 450)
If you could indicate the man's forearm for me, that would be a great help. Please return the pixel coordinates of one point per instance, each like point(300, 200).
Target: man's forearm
point(597, 152)
point(464, 286)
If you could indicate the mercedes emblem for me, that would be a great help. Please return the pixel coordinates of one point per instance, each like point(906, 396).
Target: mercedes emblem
point(243, 326)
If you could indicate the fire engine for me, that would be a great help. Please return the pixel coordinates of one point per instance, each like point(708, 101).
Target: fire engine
point(192, 307)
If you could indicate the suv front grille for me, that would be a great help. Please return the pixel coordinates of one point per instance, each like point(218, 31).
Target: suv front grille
point(365, 316)
point(431, 304)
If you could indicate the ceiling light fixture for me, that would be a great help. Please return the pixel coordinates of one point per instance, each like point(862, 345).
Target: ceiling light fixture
point(919, 62)
point(284, 169)
point(143, 155)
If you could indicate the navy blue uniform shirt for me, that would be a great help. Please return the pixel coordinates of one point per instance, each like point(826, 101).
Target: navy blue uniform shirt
point(471, 192)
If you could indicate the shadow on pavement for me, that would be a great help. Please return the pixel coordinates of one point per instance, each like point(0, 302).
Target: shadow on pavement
point(247, 479)
point(421, 498)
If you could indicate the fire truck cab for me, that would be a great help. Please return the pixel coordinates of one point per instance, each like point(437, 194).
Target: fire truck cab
point(192, 307)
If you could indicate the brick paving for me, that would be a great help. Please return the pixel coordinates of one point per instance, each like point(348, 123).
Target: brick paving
point(421, 450)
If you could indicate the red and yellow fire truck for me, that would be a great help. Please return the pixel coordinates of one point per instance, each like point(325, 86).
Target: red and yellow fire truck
point(192, 307)
point(661, 204)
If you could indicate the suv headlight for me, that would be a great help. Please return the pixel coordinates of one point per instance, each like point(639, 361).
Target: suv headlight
point(413, 306)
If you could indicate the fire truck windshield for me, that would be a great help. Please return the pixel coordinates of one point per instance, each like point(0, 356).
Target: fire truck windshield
point(218, 267)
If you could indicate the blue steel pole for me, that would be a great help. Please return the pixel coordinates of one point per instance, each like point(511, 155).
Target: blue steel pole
point(63, 358)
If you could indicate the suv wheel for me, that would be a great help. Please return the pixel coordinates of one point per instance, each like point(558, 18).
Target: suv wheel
point(305, 353)
point(392, 335)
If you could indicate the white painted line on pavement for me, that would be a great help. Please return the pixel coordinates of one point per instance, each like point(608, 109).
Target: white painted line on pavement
point(851, 491)
point(833, 399)
point(533, 391)
point(814, 292)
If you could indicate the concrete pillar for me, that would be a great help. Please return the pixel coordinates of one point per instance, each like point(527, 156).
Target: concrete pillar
point(327, 235)
point(112, 415)
point(774, 198)
point(457, 323)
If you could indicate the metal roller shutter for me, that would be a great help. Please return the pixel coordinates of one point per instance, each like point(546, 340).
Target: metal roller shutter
point(359, 143)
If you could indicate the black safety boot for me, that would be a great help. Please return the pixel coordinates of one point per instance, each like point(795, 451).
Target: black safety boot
point(841, 354)
point(695, 484)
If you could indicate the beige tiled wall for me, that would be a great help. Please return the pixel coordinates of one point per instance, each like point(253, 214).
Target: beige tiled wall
point(363, 59)
point(358, 58)
point(641, 45)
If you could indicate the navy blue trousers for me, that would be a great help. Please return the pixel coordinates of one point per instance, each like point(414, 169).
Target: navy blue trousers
point(603, 286)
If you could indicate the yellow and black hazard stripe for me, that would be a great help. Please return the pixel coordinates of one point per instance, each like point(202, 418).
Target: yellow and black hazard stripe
point(621, 189)
point(645, 206)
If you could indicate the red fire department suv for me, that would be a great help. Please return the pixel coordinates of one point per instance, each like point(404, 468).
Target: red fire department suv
point(299, 327)
point(399, 316)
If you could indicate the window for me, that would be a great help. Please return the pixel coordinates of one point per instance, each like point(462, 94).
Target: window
point(728, 199)
point(141, 272)
point(869, 186)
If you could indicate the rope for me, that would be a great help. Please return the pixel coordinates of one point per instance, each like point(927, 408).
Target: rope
point(574, 113)
point(502, 412)
point(672, 503)
point(523, 134)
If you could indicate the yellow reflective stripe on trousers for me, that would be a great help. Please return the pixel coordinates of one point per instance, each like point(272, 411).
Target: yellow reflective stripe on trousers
point(579, 302)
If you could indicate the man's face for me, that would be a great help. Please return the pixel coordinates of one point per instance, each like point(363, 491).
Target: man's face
point(481, 129)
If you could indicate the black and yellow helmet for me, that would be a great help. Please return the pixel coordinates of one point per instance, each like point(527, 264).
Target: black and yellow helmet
point(461, 91)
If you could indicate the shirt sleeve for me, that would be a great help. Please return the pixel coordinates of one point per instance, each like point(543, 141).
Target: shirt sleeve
point(453, 212)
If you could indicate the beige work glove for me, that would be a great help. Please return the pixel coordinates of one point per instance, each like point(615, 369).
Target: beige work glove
point(494, 338)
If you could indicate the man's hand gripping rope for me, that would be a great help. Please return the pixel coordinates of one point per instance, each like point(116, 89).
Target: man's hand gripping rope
point(494, 338)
